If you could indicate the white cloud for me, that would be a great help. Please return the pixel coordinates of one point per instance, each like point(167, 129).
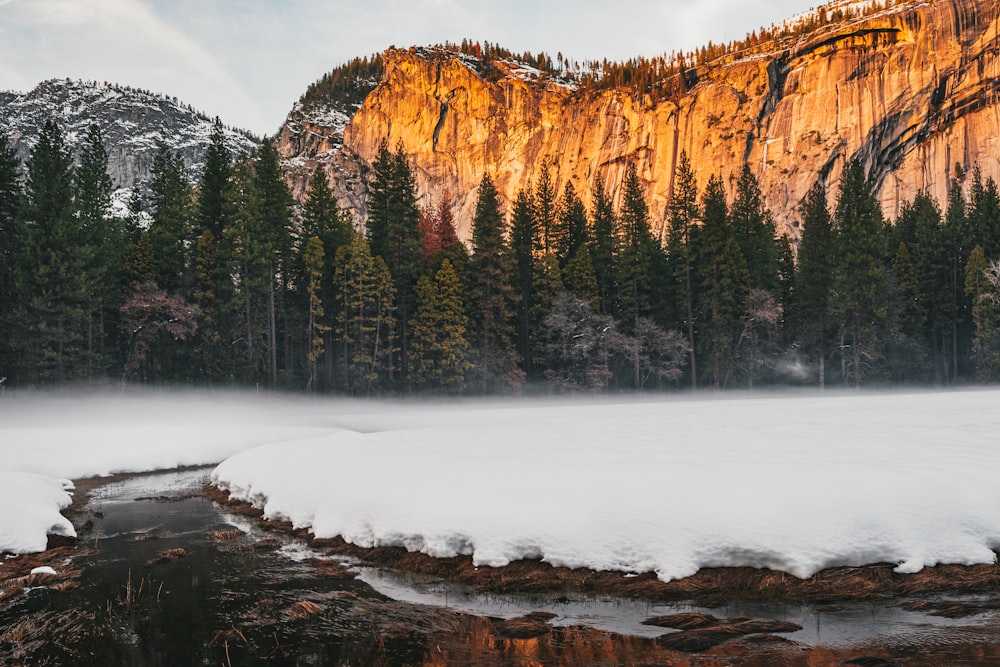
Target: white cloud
point(121, 41)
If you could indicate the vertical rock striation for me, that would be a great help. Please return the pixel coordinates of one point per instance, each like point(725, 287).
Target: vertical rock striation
point(912, 90)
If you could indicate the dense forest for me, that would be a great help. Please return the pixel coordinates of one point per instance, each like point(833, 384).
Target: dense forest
point(230, 283)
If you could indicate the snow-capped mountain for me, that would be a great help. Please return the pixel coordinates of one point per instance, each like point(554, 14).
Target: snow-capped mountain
point(132, 122)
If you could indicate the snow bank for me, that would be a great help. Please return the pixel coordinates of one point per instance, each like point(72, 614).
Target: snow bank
point(791, 483)
point(44, 438)
point(30, 506)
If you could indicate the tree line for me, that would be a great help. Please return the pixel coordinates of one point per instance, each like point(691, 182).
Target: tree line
point(231, 283)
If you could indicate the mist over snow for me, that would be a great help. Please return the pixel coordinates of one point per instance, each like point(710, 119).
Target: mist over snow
point(667, 484)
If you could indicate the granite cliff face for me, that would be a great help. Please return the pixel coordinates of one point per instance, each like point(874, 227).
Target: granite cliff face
point(912, 90)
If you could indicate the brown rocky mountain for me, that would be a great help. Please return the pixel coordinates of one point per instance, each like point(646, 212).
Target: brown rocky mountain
point(911, 89)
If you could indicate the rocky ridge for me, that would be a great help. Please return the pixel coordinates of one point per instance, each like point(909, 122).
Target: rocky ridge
point(132, 122)
point(910, 89)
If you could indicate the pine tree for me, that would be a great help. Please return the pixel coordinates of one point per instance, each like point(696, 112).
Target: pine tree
point(214, 182)
point(92, 190)
point(982, 285)
point(930, 253)
point(440, 349)
point(364, 322)
point(602, 251)
point(323, 218)
point(496, 361)
point(860, 284)
point(170, 230)
point(315, 328)
point(581, 279)
point(523, 245)
point(272, 211)
point(635, 255)
point(393, 233)
point(814, 279)
point(907, 354)
point(11, 252)
point(723, 285)
point(684, 214)
point(755, 233)
point(572, 233)
point(57, 294)
point(984, 213)
point(546, 218)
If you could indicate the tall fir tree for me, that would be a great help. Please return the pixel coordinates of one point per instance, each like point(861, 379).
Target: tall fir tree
point(11, 254)
point(57, 294)
point(572, 232)
point(316, 329)
point(723, 286)
point(982, 286)
point(272, 210)
point(497, 363)
point(440, 346)
point(393, 233)
point(814, 279)
point(860, 283)
point(927, 240)
point(684, 215)
point(602, 252)
point(636, 253)
point(214, 182)
point(755, 232)
point(523, 247)
point(108, 235)
point(323, 218)
point(984, 213)
point(364, 321)
point(546, 213)
point(170, 230)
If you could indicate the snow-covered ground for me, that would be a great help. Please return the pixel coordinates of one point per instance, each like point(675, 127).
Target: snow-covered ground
point(796, 483)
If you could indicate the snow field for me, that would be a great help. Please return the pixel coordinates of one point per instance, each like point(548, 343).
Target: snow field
point(796, 484)
point(671, 485)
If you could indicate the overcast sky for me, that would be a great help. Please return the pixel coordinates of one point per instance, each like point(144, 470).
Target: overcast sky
point(248, 61)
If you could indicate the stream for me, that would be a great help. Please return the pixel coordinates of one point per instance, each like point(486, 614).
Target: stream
point(169, 578)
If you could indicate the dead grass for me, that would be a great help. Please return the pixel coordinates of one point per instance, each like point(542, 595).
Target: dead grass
point(302, 610)
point(168, 556)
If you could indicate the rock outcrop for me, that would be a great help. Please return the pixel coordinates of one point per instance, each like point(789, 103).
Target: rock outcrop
point(912, 90)
point(131, 121)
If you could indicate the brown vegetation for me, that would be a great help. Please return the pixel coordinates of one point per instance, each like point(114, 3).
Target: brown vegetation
point(710, 587)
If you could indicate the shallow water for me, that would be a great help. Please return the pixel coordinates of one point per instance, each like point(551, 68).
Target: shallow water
point(240, 598)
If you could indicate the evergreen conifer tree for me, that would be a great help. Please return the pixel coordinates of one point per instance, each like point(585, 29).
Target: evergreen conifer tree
point(214, 182)
point(170, 230)
point(684, 214)
point(364, 322)
point(440, 348)
point(860, 283)
point(108, 235)
point(755, 233)
point(496, 360)
point(814, 278)
point(635, 253)
point(982, 285)
point(571, 228)
point(523, 245)
point(393, 233)
point(58, 292)
point(602, 250)
point(11, 238)
point(723, 285)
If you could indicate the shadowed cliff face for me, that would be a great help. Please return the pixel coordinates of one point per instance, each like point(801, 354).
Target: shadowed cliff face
point(911, 90)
